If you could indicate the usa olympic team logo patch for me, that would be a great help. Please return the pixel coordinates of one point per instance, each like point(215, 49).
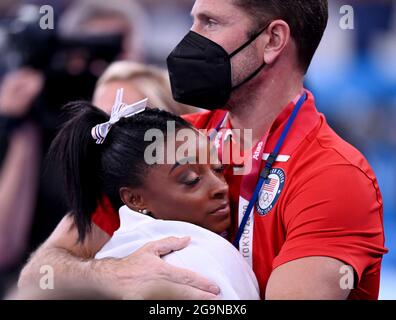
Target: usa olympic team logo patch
point(270, 191)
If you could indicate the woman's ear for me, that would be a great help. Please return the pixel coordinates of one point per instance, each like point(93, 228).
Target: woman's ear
point(277, 37)
point(133, 199)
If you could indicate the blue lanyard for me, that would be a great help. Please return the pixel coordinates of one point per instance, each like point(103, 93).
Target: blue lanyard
point(267, 169)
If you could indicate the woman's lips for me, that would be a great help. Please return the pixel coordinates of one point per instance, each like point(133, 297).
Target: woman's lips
point(222, 210)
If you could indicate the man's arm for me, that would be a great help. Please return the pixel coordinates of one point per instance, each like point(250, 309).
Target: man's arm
point(142, 275)
point(326, 224)
point(311, 278)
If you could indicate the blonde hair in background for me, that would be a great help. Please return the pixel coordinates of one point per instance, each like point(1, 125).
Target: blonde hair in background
point(151, 81)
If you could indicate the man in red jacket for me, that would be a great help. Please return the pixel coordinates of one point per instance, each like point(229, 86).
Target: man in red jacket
point(307, 217)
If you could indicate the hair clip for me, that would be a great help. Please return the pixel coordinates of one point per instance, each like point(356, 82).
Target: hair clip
point(119, 110)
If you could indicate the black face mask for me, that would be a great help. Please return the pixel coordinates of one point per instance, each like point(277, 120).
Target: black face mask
point(200, 71)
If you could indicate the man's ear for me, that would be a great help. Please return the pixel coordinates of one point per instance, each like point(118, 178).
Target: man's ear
point(133, 199)
point(277, 36)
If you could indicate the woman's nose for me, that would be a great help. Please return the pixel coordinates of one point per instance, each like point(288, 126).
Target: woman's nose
point(219, 188)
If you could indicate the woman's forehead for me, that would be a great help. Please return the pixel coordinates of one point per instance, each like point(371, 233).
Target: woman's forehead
point(190, 147)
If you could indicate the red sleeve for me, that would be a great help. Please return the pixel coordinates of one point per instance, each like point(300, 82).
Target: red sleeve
point(336, 213)
point(106, 217)
point(198, 120)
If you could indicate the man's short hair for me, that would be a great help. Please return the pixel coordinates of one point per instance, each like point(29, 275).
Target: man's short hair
point(307, 20)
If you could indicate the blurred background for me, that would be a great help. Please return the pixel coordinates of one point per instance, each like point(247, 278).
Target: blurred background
point(353, 77)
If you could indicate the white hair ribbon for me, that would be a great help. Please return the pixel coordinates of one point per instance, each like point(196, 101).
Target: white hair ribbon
point(119, 110)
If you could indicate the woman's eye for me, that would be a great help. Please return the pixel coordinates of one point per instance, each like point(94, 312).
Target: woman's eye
point(192, 182)
point(219, 169)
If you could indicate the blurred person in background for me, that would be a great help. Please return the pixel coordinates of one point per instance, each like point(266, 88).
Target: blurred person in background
point(37, 64)
point(20, 157)
point(160, 36)
point(103, 17)
point(7, 7)
point(34, 55)
point(139, 81)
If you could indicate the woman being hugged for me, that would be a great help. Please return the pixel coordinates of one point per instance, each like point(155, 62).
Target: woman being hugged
point(104, 158)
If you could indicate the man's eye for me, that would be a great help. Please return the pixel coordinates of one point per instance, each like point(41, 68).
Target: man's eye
point(211, 22)
point(192, 182)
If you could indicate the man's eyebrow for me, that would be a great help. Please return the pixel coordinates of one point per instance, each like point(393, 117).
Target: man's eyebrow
point(204, 15)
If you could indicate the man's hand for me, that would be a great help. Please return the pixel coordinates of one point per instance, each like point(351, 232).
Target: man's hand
point(144, 275)
point(18, 91)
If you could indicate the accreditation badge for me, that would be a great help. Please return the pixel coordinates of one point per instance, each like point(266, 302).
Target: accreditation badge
point(270, 191)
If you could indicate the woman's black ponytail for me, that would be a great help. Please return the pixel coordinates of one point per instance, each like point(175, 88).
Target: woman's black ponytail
point(80, 159)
